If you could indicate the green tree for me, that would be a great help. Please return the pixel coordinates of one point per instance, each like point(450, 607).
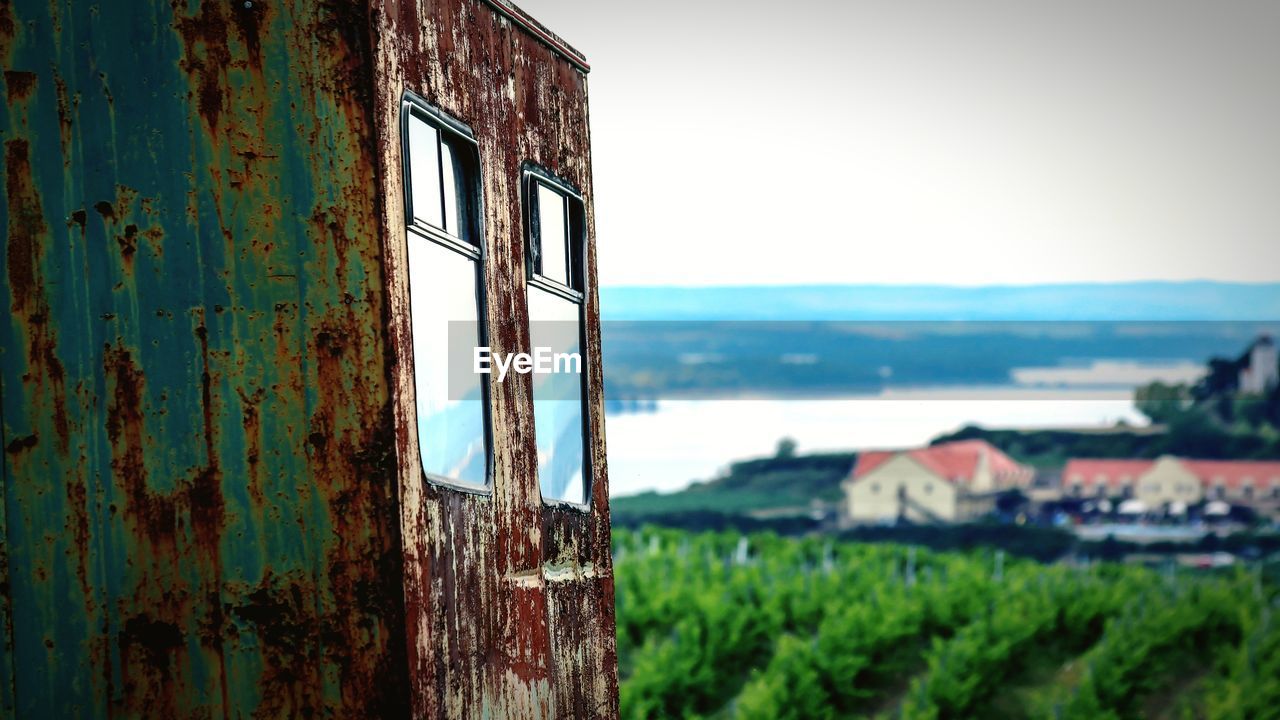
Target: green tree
point(1162, 402)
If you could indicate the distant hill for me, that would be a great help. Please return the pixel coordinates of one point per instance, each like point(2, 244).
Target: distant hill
point(781, 485)
point(1159, 301)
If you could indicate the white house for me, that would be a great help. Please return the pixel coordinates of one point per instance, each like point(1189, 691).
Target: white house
point(1261, 370)
point(951, 482)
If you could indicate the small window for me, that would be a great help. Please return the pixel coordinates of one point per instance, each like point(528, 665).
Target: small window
point(875, 487)
point(1248, 492)
point(555, 229)
point(446, 295)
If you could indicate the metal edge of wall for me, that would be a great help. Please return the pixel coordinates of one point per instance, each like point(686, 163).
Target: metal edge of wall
point(530, 25)
point(8, 681)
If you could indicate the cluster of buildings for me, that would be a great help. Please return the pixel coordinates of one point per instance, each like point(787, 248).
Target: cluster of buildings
point(1171, 485)
point(965, 480)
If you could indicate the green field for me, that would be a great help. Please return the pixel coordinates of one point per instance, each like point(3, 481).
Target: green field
point(730, 626)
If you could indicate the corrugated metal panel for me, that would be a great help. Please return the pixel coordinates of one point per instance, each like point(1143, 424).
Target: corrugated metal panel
point(199, 453)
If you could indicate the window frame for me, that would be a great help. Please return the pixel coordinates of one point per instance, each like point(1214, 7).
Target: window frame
point(411, 105)
point(531, 176)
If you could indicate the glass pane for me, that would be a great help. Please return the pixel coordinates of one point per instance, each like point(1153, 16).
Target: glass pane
point(552, 234)
point(454, 191)
point(451, 418)
point(559, 429)
point(424, 172)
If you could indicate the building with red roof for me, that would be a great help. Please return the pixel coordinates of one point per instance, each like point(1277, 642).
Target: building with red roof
point(949, 482)
point(1167, 480)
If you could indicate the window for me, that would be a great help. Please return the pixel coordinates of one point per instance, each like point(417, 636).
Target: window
point(555, 230)
point(446, 294)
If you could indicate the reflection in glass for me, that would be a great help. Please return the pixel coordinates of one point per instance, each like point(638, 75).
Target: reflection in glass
point(451, 434)
point(424, 177)
point(559, 424)
point(552, 234)
point(453, 209)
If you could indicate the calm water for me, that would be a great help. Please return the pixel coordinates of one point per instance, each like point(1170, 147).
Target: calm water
point(687, 440)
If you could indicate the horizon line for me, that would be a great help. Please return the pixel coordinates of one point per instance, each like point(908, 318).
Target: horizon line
point(992, 286)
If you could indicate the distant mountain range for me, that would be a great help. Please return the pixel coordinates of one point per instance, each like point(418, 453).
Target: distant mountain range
point(1141, 301)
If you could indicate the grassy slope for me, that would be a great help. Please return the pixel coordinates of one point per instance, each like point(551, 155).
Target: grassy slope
point(762, 484)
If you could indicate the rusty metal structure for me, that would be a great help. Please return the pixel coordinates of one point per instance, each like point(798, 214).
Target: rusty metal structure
point(212, 503)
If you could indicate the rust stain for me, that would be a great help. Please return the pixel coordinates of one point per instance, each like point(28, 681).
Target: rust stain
point(7, 30)
point(251, 420)
point(106, 89)
point(28, 233)
point(106, 210)
point(20, 85)
point(282, 615)
point(128, 243)
point(154, 516)
point(19, 444)
point(208, 53)
point(26, 225)
point(64, 117)
point(150, 651)
point(158, 640)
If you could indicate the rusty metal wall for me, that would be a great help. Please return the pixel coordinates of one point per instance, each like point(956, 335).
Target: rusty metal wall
point(509, 602)
point(199, 505)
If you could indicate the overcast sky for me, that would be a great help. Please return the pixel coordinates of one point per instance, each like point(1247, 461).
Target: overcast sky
point(931, 141)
